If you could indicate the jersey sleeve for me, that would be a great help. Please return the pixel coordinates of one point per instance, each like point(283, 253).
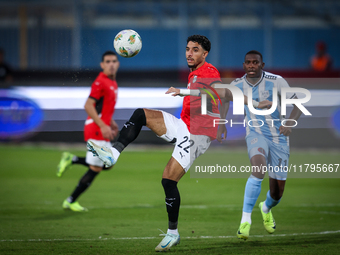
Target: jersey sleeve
point(209, 77)
point(237, 83)
point(282, 83)
point(214, 77)
point(96, 90)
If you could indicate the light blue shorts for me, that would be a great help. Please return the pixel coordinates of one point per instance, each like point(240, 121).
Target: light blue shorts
point(277, 155)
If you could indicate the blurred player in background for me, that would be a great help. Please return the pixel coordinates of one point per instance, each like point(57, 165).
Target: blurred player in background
point(268, 145)
point(193, 132)
point(321, 61)
point(99, 127)
point(5, 70)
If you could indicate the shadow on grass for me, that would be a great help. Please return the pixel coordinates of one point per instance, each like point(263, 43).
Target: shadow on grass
point(281, 245)
point(58, 215)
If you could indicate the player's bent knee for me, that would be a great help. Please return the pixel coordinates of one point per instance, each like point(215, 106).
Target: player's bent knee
point(138, 116)
point(96, 168)
point(258, 157)
point(257, 174)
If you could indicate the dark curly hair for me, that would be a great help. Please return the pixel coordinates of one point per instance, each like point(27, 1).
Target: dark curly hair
point(255, 52)
point(201, 40)
point(108, 53)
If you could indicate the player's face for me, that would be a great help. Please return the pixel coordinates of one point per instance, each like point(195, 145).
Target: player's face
point(253, 66)
point(195, 55)
point(110, 65)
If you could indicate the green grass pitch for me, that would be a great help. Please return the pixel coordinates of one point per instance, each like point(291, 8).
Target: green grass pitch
point(126, 208)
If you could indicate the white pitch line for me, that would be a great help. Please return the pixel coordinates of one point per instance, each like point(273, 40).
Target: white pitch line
point(231, 206)
point(320, 212)
point(186, 237)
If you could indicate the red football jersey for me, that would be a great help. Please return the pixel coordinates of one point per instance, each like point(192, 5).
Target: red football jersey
point(197, 123)
point(104, 91)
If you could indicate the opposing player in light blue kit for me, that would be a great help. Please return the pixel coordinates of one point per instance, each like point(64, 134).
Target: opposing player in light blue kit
point(267, 141)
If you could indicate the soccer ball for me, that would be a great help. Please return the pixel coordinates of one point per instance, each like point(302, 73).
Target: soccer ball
point(127, 43)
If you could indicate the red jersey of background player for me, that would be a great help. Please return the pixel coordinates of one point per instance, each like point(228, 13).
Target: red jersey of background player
point(197, 123)
point(104, 91)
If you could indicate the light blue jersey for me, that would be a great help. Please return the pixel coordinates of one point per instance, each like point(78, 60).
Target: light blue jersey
point(267, 125)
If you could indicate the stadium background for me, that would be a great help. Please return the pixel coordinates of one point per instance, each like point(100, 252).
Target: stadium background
point(57, 45)
point(54, 49)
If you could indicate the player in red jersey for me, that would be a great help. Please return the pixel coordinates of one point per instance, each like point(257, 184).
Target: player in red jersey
point(191, 134)
point(198, 124)
point(99, 127)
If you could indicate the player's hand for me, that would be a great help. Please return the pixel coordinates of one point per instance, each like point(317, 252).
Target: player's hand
point(107, 132)
point(174, 91)
point(265, 104)
point(114, 128)
point(114, 133)
point(286, 131)
point(221, 133)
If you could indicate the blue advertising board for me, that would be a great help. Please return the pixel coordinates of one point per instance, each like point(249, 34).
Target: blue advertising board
point(18, 115)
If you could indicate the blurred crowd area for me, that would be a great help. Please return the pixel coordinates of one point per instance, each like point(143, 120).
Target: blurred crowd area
point(60, 43)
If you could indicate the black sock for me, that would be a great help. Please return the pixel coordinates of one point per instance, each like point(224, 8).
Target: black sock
point(79, 160)
point(106, 168)
point(83, 184)
point(172, 201)
point(131, 129)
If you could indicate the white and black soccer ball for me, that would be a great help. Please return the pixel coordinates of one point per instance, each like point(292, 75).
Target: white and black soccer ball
point(127, 43)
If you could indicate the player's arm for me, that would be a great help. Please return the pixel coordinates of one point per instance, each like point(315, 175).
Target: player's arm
point(294, 115)
point(260, 105)
point(197, 92)
point(92, 112)
point(221, 92)
point(222, 130)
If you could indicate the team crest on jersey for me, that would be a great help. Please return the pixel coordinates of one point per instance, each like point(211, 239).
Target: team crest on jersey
point(195, 79)
point(265, 94)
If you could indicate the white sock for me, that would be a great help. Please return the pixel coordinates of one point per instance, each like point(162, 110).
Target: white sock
point(173, 231)
point(265, 209)
point(115, 153)
point(246, 217)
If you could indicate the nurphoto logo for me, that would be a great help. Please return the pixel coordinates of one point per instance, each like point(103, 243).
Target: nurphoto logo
point(238, 100)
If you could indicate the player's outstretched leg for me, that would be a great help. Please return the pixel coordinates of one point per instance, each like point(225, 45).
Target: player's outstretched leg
point(84, 183)
point(267, 216)
point(251, 193)
point(128, 134)
point(67, 160)
point(65, 163)
point(75, 206)
point(102, 152)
